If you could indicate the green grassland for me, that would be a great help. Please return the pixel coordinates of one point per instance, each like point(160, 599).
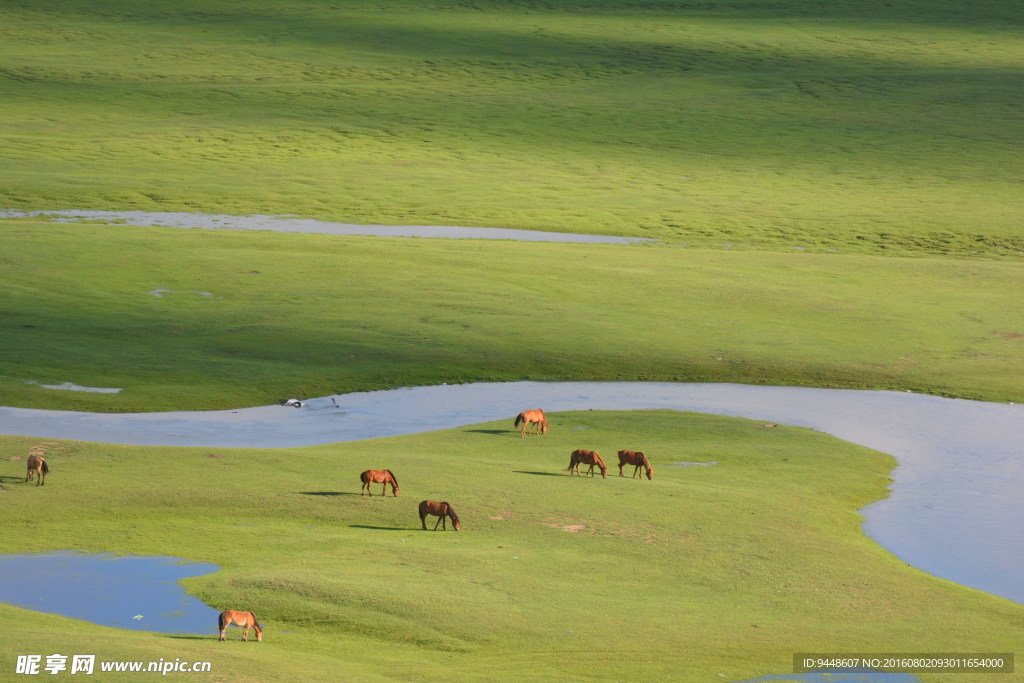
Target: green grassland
point(862, 126)
point(836, 193)
point(719, 572)
point(194, 319)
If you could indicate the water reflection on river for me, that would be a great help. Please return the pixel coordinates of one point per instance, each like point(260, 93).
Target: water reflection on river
point(954, 508)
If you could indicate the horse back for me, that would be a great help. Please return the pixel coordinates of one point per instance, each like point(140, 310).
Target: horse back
point(231, 616)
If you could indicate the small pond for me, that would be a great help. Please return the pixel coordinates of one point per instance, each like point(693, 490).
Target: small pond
point(134, 592)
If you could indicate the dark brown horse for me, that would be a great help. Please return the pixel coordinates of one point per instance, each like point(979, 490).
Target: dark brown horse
point(37, 466)
point(582, 457)
point(528, 418)
point(635, 458)
point(383, 477)
point(243, 619)
point(442, 510)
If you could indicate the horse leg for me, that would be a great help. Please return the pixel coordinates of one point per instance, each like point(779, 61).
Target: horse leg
point(245, 633)
point(440, 519)
point(635, 470)
point(384, 488)
point(423, 519)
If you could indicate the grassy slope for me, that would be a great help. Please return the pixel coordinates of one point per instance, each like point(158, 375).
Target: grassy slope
point(861, 126)
point(248, 318)
point(703, 571)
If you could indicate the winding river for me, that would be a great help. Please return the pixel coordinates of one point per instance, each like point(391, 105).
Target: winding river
point(954, 509)
point(210, 221)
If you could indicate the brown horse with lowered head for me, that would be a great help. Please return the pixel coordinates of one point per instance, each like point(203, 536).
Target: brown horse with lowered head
point(582, 457)
point(442, 510)
point(243, 619)
point(635, 458)
point(528, 418)
point(382, 477)
point(37, 466)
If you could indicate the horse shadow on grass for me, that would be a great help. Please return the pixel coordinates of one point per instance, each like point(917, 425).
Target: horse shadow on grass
point(490, 431)
point(542, 474)
point(327, 493)
point(184, 636)
point(4, 478)
point(382, 528)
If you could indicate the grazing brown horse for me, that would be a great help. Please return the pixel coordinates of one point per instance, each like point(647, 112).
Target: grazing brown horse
point(635, 458)
point(37, 466)
point(442, 510)
point(532, 417)
point(382, 477)
point(583, 457)
point(243, 619)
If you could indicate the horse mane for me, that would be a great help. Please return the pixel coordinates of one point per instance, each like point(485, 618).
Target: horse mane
point(393, 477)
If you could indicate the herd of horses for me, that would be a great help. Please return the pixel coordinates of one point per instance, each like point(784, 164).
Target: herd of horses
point(593, 458)
point(532, 421)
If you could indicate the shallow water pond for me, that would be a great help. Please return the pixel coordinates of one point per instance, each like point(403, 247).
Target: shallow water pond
point(135, 592)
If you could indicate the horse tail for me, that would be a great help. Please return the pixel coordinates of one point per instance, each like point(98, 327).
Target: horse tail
point(519, 418)
point(222, 621)
point(363, 476)
point(46, 468)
